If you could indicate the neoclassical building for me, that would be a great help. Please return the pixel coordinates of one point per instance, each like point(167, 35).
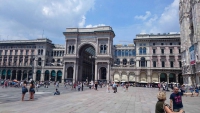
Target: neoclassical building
point(189, 19)
point(89, 55)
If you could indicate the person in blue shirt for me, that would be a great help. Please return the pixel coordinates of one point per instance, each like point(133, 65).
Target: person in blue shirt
point(176, 100)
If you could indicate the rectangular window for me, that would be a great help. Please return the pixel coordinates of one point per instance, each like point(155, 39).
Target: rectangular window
point(179, 50)
point(123, 52)
point(154, 51)
point(154, 63)
point(171, 51)
point(162, 44)
point(170, 43)
point(119, 53)
point(32, 52)
point(171, 64)
point(162, 51)
point(163, 63)
point(0, 52)
point(21, 52)
point(133, 52)
point(26, 52)
point(16, 52)
point(154, 44)
point(180, 64)
point(6, 51)
point(130, 53)
point(11, 52)
point(126, 53)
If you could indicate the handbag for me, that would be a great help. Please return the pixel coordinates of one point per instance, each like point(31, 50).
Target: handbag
point(24, 89)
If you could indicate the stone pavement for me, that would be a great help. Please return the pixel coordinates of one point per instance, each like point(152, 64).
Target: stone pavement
point(136, 100)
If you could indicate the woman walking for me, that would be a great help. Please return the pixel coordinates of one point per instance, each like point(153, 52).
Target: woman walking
point(24, 90)
point(31, 90)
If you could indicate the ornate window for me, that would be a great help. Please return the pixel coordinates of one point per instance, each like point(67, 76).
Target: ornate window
point(140, 50)
point(144, 51)
point(39, 61)
point(132, 61)
point(124, 61)
point(103, 49)
point(143, 62)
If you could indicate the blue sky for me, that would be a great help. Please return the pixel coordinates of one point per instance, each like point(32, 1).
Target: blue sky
point(126, 17)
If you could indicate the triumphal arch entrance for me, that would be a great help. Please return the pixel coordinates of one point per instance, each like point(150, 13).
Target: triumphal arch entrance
point(88, 54)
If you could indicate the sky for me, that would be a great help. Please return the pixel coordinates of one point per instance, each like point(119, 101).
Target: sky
point(32, 19)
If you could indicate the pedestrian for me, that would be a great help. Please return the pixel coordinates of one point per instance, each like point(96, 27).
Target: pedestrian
point(96, 85)
point(161, 106)
point(108, 88)
point(24, 89)
point(57, 92)
point(79, 86)
point(176, 100)
point(114, 87)
point(127, 85)
point(192, 90)
point(90, 85)
point(197, 91)
point(82, 86)
point(32, 90)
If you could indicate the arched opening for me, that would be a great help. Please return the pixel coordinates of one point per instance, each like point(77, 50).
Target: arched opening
point(102, 73)
point(163, 77)
point(13, 74)
point(124, 77)
point(59, 76)
point(172, 77)
point(154, 77)
point(38, 75)
point(86, 63)
point(3, 74)
point(132, 77)
point(39, 61)
point(8, 74)
point(70, 73)
point(46, 75)
point(143, 77)
point(25, 75)
point(116, 77)
point(19, 75)
point(180, 78)
point(53, 75)
point(124, 61)
point(143, 62)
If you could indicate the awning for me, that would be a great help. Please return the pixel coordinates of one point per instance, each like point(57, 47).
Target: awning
point(143, 82)
point(156, 82)
point(116, 80)
point(123, 81)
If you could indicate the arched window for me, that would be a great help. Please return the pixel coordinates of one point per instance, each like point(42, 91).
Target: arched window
point(105, 48)
point(54, 53)
point(69, 50)
point(39, 61)
point(131, 61)
point(41, 51)
point(117, 62)
point(38, 51)
point(72, 49)
point(144, 51)
point(140, 50)
point(143, 62)
point(101, 49)
point(57, 53)
point(124, 61)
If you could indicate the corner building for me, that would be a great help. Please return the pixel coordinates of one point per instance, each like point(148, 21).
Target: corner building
point(189, 19)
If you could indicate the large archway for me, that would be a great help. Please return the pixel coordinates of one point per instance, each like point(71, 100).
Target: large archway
point(172, 77)
point(116, 77)
point(13, 74)
point(163, 77)
point(3, 74)
point(70, 73)
point(19, 75)
point(25, 75)
point(8, 74)
point(59, 76)
point(53, 75)
point(46, 75)
point(86, 63)
point(180, 78)
point(102, 73)
point(38, 75)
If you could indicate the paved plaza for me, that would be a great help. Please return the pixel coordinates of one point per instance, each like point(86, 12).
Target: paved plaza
point(136, 100)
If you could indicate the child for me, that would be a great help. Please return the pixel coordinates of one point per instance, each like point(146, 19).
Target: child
point(57, 92)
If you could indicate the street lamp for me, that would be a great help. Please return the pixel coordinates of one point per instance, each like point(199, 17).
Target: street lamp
point(92, 58)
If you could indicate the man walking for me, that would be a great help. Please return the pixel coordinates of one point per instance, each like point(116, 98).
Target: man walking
point(176, 100)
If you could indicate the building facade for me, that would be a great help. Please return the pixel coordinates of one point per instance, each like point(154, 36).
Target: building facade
point(189, 18)
point(89, 55)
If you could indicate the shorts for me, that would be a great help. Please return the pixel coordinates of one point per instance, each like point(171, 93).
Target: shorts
point(177, 110)
point(23, 92)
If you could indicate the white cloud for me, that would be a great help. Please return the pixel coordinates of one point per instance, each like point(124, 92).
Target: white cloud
point(141, 17)
point(27, 19)
point(90, 25)
point(168, 21)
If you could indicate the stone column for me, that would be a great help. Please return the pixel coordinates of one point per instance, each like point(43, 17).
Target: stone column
point(23, 62)
point(96, 72)
point(63, 76)
point(108, 73)
point(22, 74)
point(168, 78)
point(42, 76)
point(159, 77)
point(27, 75)
point(10, 76)
point(56, 76)
point(6, 75)
point(74, 73)
point(189, 79)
